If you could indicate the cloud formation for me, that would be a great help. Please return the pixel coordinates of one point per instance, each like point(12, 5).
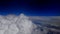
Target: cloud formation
point(12, 24)
point(54, 20)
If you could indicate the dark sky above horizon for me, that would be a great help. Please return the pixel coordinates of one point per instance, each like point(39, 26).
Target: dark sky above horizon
point(30, 7)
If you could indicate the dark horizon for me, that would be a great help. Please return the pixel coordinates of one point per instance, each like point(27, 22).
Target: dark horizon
point(30, 7)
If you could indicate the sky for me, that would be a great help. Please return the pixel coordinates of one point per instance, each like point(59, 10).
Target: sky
point(30, 7)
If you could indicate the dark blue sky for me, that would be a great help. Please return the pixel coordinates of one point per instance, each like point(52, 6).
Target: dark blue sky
point(30, 7)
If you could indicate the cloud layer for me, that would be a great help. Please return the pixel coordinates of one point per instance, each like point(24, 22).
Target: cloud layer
point(12, 24)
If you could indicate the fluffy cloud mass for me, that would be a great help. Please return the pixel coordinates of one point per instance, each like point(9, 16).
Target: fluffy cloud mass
point(12, 24)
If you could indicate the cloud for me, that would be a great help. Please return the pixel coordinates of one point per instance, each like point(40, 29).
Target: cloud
point(55, 20)
point(16, 24)
point(26, 24)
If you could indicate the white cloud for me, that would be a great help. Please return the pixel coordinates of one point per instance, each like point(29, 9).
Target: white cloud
point(22, 24)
